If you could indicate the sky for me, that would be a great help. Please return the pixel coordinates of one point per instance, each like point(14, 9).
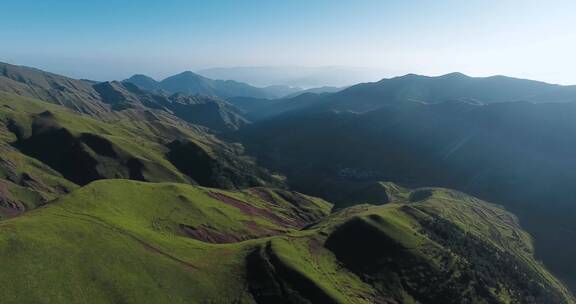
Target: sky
point(113, 39)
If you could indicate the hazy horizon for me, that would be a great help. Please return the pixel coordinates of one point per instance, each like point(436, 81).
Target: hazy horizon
point(107, 40)
point(362, 75)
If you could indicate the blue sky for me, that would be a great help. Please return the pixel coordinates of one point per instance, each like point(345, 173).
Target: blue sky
point(114, 39)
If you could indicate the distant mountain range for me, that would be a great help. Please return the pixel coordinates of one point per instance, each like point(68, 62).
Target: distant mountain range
point(191, 83)
point(416, 88)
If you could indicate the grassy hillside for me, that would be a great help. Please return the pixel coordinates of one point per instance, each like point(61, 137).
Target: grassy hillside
point(121, 241)
point(105, 99)
point(133, 242)
point(48, 150)
point(29, 82)
point(442, 246)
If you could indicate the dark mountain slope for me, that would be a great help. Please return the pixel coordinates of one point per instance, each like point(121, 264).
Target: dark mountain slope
point(517, 154)
point(213, 113)
point(144, 82)
point(260, 108)
point(210, 112)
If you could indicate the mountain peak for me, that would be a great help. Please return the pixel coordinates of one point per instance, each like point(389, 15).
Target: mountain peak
point(141, 77)
point(188, 74)
point(143, 82)
point(454, 75)
point(411, 75)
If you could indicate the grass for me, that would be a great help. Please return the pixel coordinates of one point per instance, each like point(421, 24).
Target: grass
point(441, 238)
point(122, 241)
point(119, 241)
point(321, 267)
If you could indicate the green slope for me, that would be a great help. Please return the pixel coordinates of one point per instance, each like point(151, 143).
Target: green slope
point(119, 241)
point(49, 150)
point(71, 93)
point(104, 99)
point(122, 241)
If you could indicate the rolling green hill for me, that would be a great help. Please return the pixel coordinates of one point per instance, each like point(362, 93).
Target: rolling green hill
point(49, 150)
point(118, 241)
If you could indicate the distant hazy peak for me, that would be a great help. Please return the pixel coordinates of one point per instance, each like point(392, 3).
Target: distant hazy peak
point(141, 77)
point(186, 74)
point(455, 75)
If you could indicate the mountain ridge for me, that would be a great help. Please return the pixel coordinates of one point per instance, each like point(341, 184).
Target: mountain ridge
point(191, 83)
point(106, 98)
point(366, 97)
